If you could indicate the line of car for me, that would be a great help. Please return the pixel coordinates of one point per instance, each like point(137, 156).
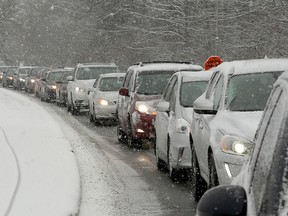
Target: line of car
point(202, 122)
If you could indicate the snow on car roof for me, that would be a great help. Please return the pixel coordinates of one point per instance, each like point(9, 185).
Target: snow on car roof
point(254, 66)
point(113, 75)
point(96, 65)
point(168, 66)
point(188, 76)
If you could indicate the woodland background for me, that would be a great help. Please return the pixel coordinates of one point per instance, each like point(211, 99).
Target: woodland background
point(66, 32)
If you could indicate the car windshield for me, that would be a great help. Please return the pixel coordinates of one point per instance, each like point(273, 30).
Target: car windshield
point(54, 76)
point(190, 91)
point(86, 73)
point(24, 70)
point(34, 71)
point(152, 82)
point(110, 83)
point(250, 92)
point(65, 75)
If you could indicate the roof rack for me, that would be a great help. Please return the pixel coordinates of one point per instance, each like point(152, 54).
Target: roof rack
point(155, 62)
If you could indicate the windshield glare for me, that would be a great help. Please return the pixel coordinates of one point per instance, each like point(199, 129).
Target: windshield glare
point(190, 91)
point(93, 72)
point(152, 82)
point(250, 92)
point(110, 83)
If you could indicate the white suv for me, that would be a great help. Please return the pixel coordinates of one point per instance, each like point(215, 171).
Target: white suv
point(83, 78)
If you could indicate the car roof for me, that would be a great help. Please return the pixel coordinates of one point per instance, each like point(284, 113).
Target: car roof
point(253, 66)
point(165, 66)
point(188, 76)
point(96, 65)
point(113, 75)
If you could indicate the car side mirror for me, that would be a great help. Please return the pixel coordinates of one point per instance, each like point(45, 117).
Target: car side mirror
point(163, 106)
point(124, 91)
point(204, 106)
point(223, 200)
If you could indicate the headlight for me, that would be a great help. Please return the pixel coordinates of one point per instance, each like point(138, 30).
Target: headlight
point(79, 89)
point(54, 86)
point(10, 78)
point(22, 80)
point(32, 80)
point(143, 107)
point(103, 102)
point(235, 145)
point(182, 126)
point(1, 76)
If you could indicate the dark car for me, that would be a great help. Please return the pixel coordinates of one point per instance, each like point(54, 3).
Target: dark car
point(3, 69)
point(8, 77)
point(261, 187)
point(142, 89)
point(48, 84)
point(61, 88)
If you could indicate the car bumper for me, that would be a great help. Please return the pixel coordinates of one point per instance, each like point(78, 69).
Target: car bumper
point(80, 100)
point(181, 151)
point(143, 125)
point(106, 112)
point(228, 166)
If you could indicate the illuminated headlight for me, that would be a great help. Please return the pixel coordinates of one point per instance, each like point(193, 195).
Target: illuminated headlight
point(22, 80)
point(235, 145)
point(32, 80)
point(143, 107)
point(53, 86)
point(182, 126)
point(103, 102)
point(79, 89)
point(1, 77)
point(10, 78)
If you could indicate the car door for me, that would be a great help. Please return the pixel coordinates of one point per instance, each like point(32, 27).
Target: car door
point(268, 160)
point(162, 122)
point(92, 95)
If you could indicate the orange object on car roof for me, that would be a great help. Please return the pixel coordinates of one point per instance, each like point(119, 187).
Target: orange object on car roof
point(212, 61)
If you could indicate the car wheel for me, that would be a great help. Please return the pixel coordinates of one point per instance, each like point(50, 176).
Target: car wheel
point(161, 165)
point(120, 134)
point(132, 142)
point(213, 177)
point(199, 186)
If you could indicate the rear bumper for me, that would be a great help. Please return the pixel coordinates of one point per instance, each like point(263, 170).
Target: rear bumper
point(143, 125)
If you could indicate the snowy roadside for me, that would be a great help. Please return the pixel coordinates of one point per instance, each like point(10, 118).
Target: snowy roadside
point(39, 173)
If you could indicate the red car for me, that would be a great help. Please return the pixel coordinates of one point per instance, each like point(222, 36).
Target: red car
point(142, 89)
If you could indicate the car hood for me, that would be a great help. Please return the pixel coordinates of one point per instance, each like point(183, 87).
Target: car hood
point(243, 124)
point(112, 95)
point(152, 100)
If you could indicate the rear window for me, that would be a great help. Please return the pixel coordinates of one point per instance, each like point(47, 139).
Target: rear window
point(110, 83)
point(152, 82)
point(87, 73)
point(190, 91)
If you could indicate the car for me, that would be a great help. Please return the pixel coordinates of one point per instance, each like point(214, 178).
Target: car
point(20, 76)
point(261, 186)
point(142, 89)
point(8, 77)
point(61, 87)
point(40, 75)
point(225, 119)
point(173, 120)
point(3, 69)
point(48, 84)
point(83, 78)
point(103, 97)
point(30, 79)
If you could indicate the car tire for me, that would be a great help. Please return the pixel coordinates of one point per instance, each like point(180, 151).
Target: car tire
point(213, 177)
point(120, 134)
point(132, 142)
point(161, 165)
point(199, 186)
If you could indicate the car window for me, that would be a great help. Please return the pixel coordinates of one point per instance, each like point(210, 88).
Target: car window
point(217, 92)
point(110, 83)
point(169, 87)
point(265, 154)
point(190, 91)
point(211, 83)
point(95, 83)
point(127, 79)
point(86, 73)
point(173, 97)
point(131, 82)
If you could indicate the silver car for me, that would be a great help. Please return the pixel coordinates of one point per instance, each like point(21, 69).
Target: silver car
point(173, 120)
point(226, 117)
